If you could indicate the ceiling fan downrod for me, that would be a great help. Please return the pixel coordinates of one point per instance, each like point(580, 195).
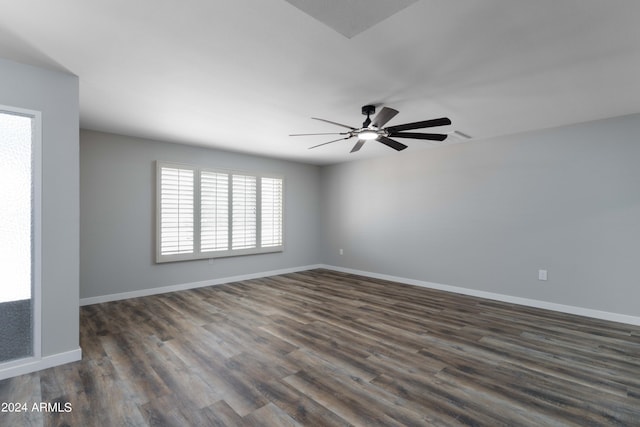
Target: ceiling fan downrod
point(368, 110)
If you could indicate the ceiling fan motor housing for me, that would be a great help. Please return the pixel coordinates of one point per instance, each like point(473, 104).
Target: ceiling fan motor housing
point(368, 109)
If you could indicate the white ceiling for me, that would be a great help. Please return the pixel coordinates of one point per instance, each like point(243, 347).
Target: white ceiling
point(242, 75)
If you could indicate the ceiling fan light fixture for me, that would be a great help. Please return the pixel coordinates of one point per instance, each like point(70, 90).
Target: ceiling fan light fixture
point(368, 135)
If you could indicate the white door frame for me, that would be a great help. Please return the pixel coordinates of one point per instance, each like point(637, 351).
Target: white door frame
point(7, 368)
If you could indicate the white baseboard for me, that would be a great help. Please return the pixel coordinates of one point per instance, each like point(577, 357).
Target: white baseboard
point(562, 308)
point(26, 366)
point(192, 285)
point(587, 312)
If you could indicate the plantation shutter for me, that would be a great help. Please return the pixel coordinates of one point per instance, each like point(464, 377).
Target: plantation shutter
point(214, 211)
point(176, 211)
point(243, 212)
point(271, 205)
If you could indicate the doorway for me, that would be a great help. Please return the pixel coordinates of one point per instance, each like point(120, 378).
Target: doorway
point(19, 234)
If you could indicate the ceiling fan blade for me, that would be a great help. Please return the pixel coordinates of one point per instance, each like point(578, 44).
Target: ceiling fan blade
point(358, 146)
point(334, 123)
point(312, 134)
point(335, 140)
point(412, 135)
point(391, 143)
point(443, 121)
point(384, 116)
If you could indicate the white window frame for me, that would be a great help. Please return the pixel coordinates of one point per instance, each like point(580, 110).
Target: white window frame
point(10, 368)
point(197, 253)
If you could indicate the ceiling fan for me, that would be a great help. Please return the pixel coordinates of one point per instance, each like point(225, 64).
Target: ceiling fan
point(372, 130)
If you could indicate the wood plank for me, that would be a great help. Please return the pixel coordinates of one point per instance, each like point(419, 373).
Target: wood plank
point(220, 414)
point(299, 406)
point(270, 416)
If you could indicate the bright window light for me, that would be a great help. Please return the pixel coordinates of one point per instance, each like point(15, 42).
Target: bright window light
point(15, 208)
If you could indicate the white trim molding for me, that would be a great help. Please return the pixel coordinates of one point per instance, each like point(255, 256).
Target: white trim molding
point(33, 364)
point(562, 308)
point(193, 285)
point(7, 368)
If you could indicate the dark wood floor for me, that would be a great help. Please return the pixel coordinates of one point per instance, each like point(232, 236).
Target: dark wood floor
point(321, 348)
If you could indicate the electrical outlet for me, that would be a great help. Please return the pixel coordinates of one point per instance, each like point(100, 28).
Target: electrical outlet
point(542, 274)
point(210, 261)
point(341, 251)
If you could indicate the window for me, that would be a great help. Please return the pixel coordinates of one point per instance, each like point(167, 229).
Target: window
point(176, 211)
point(204, 213)
point(214, 211)
point(271, 229)
point(244, 212)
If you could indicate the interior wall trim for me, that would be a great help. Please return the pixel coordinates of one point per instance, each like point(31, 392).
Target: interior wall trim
point(33, 364)
point(569, 309)
point(192, 285)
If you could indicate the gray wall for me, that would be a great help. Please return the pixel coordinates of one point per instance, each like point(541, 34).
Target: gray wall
point(54, 94)
point(486, 215)
point(117, 196)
